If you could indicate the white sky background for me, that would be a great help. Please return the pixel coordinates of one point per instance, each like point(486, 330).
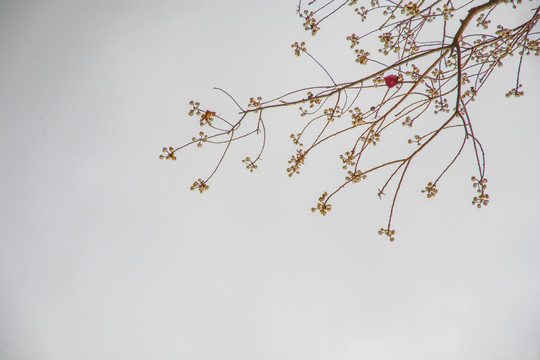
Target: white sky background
point(106, 254)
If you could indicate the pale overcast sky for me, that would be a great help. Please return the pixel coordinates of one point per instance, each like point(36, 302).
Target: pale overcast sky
point(105, 253)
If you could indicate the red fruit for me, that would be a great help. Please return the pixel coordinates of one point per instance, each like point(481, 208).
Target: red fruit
point(391, 80)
